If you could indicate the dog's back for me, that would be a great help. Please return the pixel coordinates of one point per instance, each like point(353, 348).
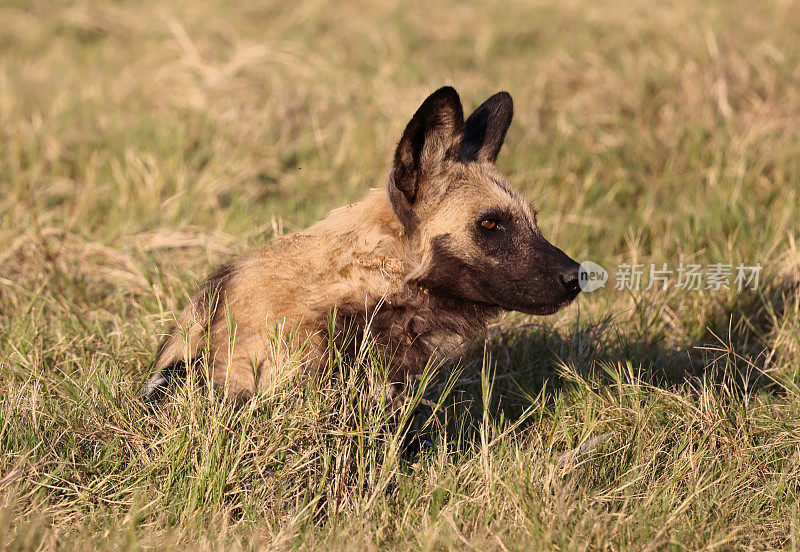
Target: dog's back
point(352, 260)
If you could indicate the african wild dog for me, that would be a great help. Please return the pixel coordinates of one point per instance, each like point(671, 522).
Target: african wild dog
point(428, 260)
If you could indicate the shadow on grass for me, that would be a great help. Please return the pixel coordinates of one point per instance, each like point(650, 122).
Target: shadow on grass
point(747, 344)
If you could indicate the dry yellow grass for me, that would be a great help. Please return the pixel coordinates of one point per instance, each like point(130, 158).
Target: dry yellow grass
point(141, 143)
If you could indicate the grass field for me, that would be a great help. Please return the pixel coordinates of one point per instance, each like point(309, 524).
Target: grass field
point(143, 142)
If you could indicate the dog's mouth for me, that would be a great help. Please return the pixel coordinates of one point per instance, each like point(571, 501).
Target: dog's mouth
point(544, 308)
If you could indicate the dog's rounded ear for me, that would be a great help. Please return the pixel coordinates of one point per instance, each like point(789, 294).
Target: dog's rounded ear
point(486, 128)
point(431, 137)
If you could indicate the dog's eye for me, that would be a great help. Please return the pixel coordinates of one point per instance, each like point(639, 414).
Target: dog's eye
point(489, 224)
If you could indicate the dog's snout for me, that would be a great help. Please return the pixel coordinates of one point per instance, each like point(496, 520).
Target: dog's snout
point(562, 268)
point(569, 278)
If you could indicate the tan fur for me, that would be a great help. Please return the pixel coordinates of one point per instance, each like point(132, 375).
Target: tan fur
point(371, 263)
point(353, 260)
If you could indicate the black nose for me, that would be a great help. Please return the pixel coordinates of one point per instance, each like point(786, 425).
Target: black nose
point(569, 278)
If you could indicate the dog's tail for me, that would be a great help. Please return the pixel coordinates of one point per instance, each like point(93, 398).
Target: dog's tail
point(184, 343)
point(180, 347)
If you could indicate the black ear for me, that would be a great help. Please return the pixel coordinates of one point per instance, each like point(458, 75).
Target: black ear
point(486, 128)
point(432, 136)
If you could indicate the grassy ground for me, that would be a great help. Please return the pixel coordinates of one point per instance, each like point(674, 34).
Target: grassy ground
point(143, 142)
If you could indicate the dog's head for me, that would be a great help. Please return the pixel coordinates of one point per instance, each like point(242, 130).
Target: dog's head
point(478, 236)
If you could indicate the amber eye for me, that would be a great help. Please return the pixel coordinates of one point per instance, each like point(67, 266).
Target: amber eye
point(489, 224)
